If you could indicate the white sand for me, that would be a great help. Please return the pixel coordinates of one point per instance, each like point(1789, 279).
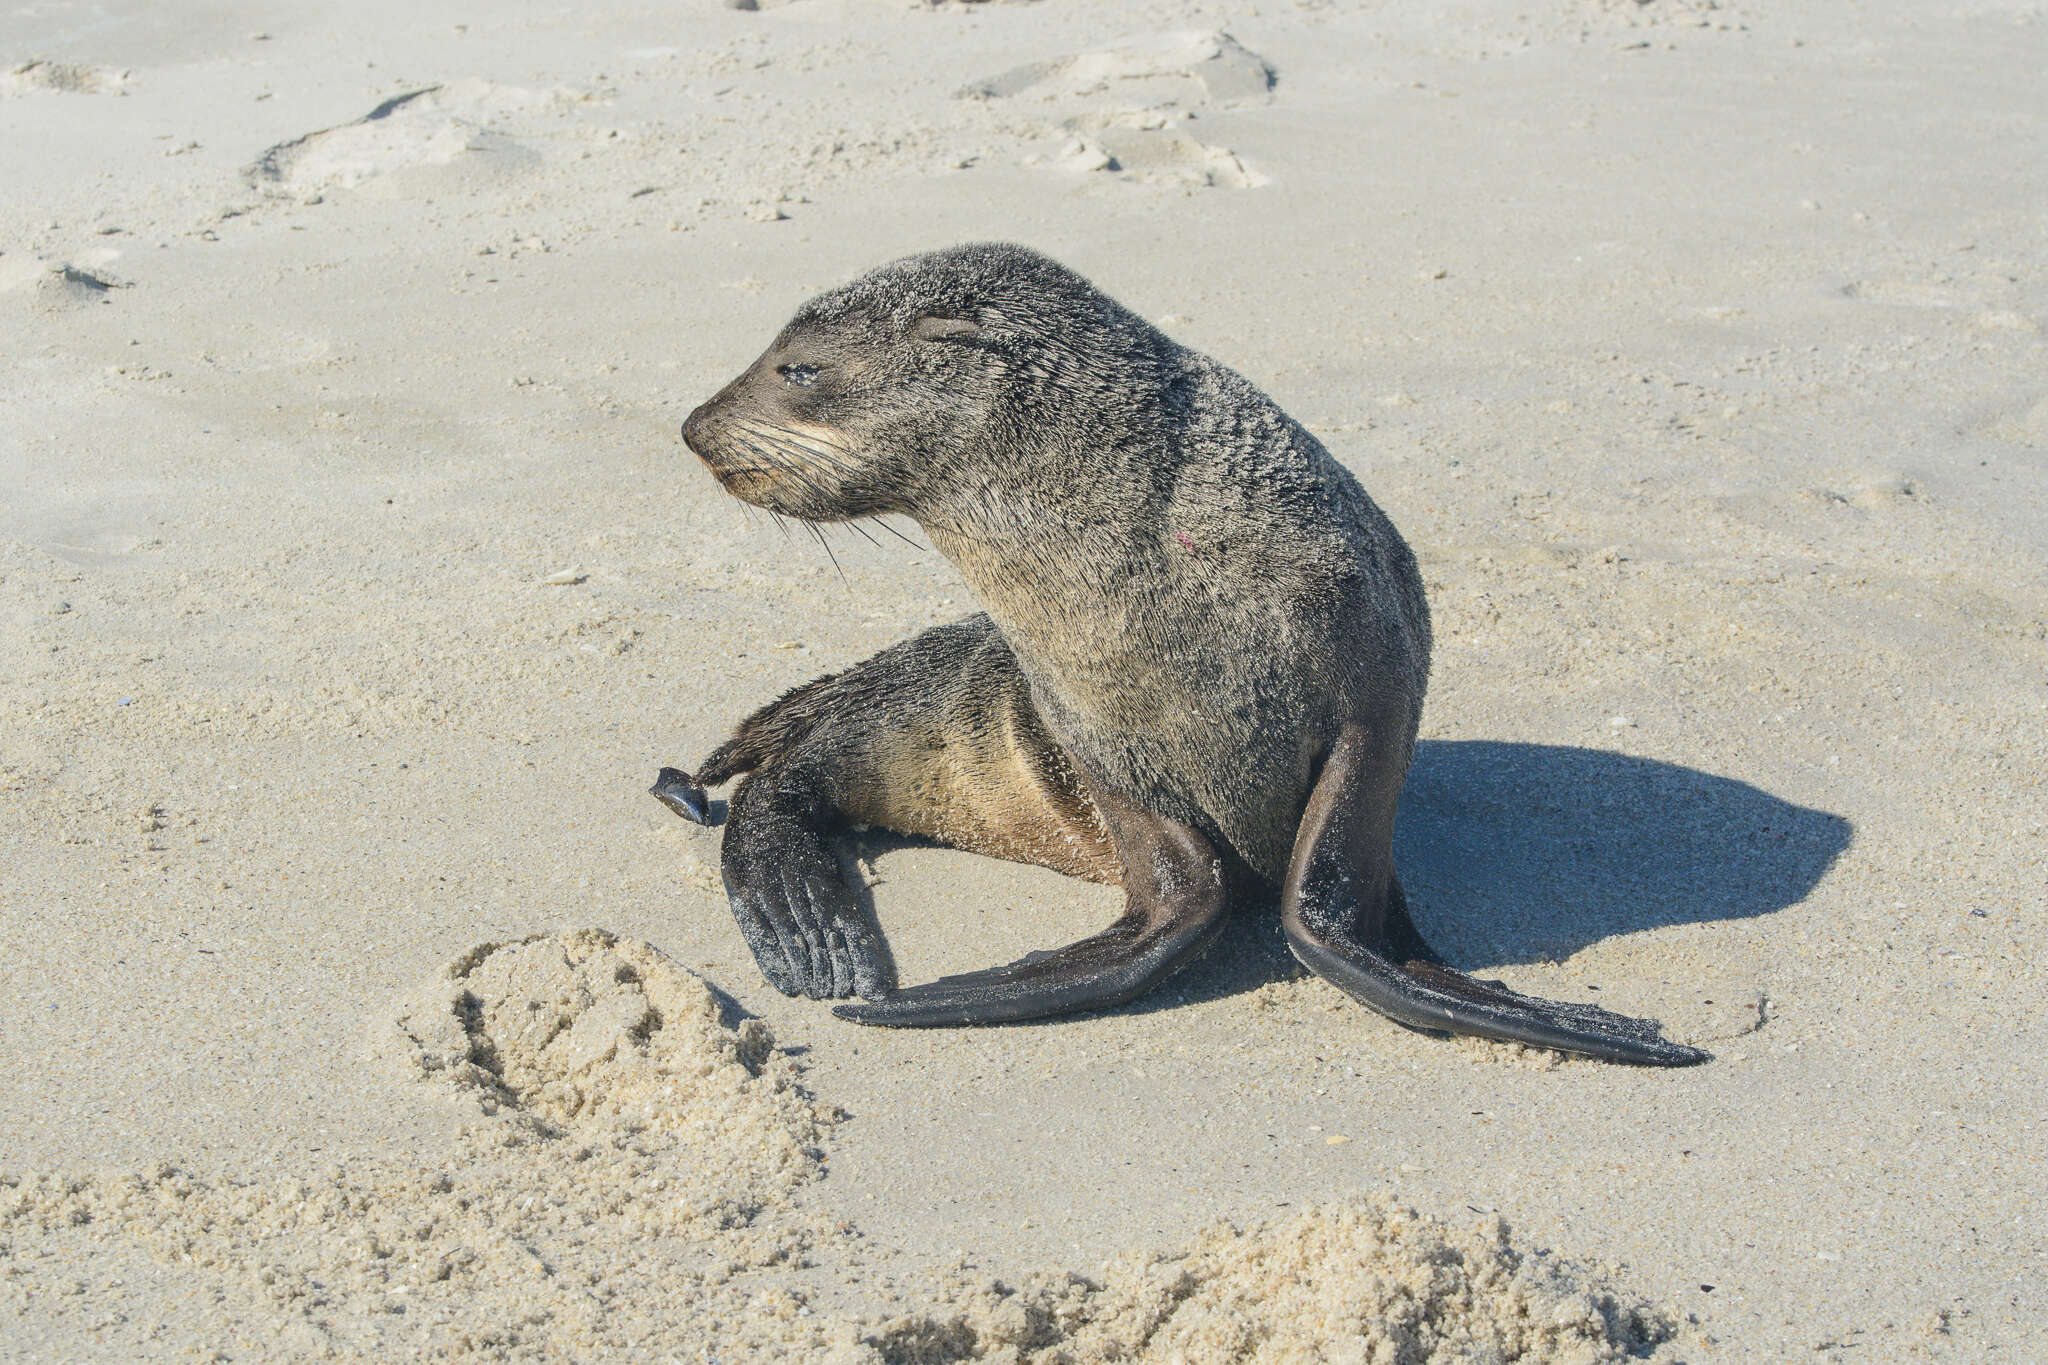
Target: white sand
point(353, 584)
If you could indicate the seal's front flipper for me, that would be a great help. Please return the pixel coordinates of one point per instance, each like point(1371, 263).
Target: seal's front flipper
point(806, 930)
point(1174, 904)
point(1346, 922)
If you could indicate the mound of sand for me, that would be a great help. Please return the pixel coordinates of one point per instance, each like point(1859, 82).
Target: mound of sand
point(633, 1155)
point(1366, 1282)
point(54, 285)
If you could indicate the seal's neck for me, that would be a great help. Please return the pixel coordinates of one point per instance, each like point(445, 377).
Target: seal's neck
point(1059, 527)
point(1066, 538)
point(1076, 579)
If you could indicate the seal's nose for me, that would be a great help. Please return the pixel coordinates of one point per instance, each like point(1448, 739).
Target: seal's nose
point(694, 428)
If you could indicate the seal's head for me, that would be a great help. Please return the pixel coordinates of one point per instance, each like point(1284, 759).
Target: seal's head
point(921, 383)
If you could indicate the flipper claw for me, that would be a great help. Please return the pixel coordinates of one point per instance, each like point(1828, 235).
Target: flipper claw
point(676, 789)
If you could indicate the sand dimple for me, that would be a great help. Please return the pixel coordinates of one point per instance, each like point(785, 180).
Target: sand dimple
point(1369, 1282)
point(633, 1155)
point(1144, 145)
point(2027, 427)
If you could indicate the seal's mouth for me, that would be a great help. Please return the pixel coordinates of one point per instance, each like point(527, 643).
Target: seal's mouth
point(734, 477)
point(796, 468)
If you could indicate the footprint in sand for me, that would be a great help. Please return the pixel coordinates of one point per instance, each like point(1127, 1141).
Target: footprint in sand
point(1126, 108)
point(570, 1027)
point(65, 77)
point(1187, 68)
point(419, 141)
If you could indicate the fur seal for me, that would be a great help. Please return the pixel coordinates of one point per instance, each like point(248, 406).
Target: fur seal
point(1198, 674)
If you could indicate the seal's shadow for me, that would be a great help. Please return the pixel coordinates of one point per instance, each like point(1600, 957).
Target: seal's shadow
point(1515, 853)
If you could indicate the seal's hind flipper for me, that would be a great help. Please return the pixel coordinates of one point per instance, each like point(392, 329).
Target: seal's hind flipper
point(1438, 1000)
point(1174, 904)
point(807, 932)
point(1346, 921)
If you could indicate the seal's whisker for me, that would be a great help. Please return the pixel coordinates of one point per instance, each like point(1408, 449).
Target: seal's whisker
point(794, 464)
point(818, 535)
point(760, 450)
point(808, 484)
point(884, 524)
point(811, 440)
point(780, 437)
point(821, 449)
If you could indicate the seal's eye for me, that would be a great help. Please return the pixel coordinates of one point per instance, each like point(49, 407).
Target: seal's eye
point(803, 376)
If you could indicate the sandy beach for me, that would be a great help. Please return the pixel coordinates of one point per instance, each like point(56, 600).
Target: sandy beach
point(360, 1004)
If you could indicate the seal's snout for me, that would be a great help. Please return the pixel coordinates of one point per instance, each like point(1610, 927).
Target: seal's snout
point(695, 428)
point(712, 447)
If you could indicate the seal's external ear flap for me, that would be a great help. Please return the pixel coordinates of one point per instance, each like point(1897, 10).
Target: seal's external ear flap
point(933, 328)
